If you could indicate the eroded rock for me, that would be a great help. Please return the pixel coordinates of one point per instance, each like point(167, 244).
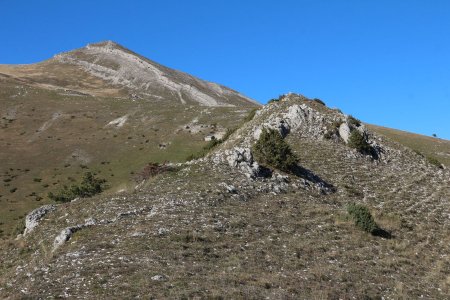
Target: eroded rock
point(33, 218)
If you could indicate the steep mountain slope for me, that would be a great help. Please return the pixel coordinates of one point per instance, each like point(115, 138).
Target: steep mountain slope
point(227, 226)
point(108, 69)
point(101, 108)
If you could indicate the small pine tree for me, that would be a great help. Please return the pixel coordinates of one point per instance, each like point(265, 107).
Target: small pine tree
point(272, 149)
point(362, 217)
point(359, 142)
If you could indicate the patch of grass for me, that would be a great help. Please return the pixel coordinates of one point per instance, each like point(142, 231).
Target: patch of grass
point(271, 149)
point(250, 115)
point(211, 145)
point(434, 161)
point(19, 228)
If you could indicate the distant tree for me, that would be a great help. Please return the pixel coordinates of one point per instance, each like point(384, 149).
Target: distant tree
point(89, 186)
point(434, 135)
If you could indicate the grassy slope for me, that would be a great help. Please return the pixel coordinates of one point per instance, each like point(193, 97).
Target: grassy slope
point(297, 245)
point(49, 139)
point(428, 146)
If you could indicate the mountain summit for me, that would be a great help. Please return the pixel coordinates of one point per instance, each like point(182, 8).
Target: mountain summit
point(109, 69)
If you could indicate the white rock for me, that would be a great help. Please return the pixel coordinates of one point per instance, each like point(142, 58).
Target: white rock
point(159, 277)
point(344, 131)
point(33, 218)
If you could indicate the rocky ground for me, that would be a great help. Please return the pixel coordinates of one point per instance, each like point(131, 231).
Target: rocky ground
point(225, 226)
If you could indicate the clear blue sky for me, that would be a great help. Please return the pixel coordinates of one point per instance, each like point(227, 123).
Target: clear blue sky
point(386, 62)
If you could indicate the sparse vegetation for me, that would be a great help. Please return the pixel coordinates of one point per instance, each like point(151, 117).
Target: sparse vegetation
point(271, 149)
point(434, 161)
point(273, 100)
point(153, 169)
point(250, 115)
point(89, 186)
point(362, 217)
point(211, 145)
point(332, 130)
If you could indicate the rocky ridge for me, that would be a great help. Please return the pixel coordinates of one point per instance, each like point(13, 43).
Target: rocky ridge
point(119, 66)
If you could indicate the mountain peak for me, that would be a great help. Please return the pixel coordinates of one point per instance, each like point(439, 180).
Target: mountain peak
point(107, 68)
point(107, 43)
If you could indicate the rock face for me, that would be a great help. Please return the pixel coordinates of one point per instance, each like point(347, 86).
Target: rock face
point(242, 159)
point(144, 78)
point(344, 132)
point(33, 218)
point(299, 118)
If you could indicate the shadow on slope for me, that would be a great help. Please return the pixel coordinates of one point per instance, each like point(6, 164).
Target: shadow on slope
point(309, 175)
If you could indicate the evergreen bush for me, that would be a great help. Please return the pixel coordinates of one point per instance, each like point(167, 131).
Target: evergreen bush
point(271, 149)
point(362, 217)
point(359, 142)
point(89, 186)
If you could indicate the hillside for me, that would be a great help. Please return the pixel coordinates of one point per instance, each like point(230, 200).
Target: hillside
point(428, 146)
point(100, 108)
point(231, 226)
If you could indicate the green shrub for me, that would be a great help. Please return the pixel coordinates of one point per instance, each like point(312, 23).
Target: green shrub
point(359, 142)
point(362, 217)
point(89, 186)
point(317, 100)
point(281, 97)
point(271, 149)
point(354, 121)
point(434, 161)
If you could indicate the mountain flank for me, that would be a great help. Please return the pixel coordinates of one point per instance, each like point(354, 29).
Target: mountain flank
point(100, 109)
point(122, 178)
point(109, 69)
point(234, 224)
